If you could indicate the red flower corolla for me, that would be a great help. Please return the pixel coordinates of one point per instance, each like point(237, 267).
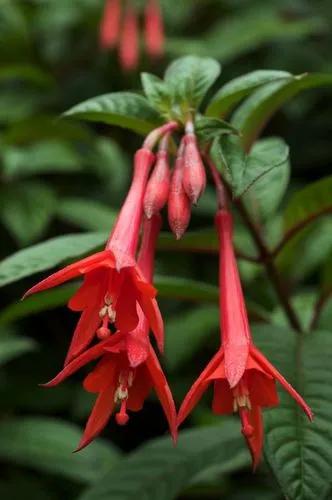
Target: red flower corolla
point(110, 24)
point(128, 368)
point(179, 205)
point(244, 380)
point(194, 176)
point(154, 29)
point(129, 41)
point(113, 284)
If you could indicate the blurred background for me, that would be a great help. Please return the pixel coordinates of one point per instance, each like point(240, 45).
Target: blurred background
point(59, 176)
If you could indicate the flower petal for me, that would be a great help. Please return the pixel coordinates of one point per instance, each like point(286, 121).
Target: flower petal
point(151, 310)
point(89, 355)
point(140, 389)
point(99, 417)
point(260, 358)
point(126, 307)
point(255, 441)
point(163, 391)
point(103, 374)
point(196, 391)
point(222, 398)
point(71, 271)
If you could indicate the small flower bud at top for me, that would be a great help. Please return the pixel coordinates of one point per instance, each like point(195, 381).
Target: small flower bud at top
point(179, 206)
point(157, 189)
point(194, 176)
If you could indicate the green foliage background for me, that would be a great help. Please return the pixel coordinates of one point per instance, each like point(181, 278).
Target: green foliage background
point(65, 179)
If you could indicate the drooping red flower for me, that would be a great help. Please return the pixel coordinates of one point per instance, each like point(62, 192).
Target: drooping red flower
point(113, 284)
point(129, 40)
point(244, 380)
point(110, 24)
point(154, 29)
point(128, 368)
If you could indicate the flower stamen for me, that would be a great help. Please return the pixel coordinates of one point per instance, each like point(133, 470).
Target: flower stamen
point(121, 395)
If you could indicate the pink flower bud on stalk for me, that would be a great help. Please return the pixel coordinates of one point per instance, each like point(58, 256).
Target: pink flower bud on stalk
point(157, 190)
point(110, 24)
point(179, 206)
point(129, 50)
point(154, 29)
point(194, 176)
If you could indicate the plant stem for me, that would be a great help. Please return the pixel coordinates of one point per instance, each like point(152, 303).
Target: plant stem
point(270, 267)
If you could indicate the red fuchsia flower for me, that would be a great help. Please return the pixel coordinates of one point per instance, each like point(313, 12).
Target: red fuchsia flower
point(129, 42)
point(113, 283)
point(194, 176)
point(244, 380)
point(179, 205)
point(128, 368)
point(154, 29)
point(110, 24)
point(157, 190)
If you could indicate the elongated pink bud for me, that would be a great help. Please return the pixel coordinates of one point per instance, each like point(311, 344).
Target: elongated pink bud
point(110, 24)
point(125, 234)
point(194, 176)
point(154, 29)
point(179, 206)
point(129, 50)
point(157, 190)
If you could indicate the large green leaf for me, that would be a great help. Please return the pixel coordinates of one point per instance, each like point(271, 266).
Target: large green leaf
point(186, 337)
point(48, 254)
point(26, 210)
point(308, 204)
point(12, 346)
point(237, 34)
point(125, 109)
point(242, 172)
point(46, 445)
point(42, 157)
point(189, 78)
point(238, 88)
point(256, 110)
point(160, 470)
point(298, 451)
point(89, 215)
point(157, 93)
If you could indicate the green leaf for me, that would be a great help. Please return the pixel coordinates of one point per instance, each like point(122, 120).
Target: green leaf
point(90, 215)
point(186, 337)
point(12, 346)
point(26, 210)
point(157, 93)
point(256, 110)
point(298, 451)
point(46, 445)
point(48, 254)
point(125, 109)
point(238, 88)
point(45, 301)
point(146, 473)
point(42, 157)
point(308, 204)
point(243, 171)
point(189, 78)
point(208, 129)
point(185, 289)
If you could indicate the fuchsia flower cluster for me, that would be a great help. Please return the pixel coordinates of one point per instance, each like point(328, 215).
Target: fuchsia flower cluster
point(118, 306)
point(120, 27)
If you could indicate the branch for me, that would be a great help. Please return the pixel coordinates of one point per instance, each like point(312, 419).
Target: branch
point(298, 227)
point(319, 306)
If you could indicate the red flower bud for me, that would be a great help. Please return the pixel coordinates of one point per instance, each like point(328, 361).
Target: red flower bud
point(110, 24)
point(179, 206)
point(194, 176)
point(157, 190)
point(129, 50)
point(154, 29)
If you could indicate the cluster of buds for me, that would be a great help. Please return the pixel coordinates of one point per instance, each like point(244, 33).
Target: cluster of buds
point(120, 27)
point(179, 188)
